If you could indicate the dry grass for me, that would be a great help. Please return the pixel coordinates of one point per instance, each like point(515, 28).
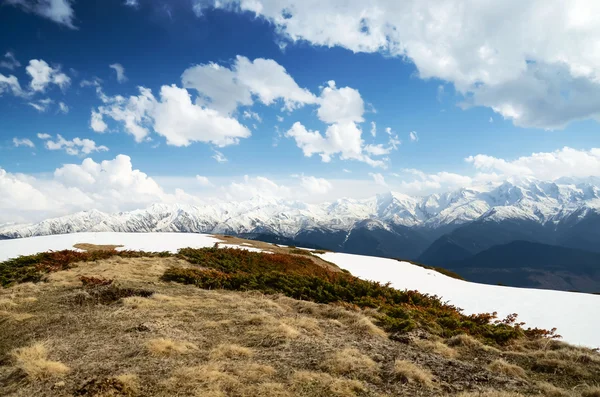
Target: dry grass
point(491, 394)
point(436, 347)
point(591, 392)
point(352, 363)
point(168, 347)
point(14, 316)
point(319, 384)
point(33, 360)
point(230, 351)
point(93, 247)
point(298, 348)
point(508, 369)
point(469, 344)
point(7, 303)
point(549, 390)
point(410, 372)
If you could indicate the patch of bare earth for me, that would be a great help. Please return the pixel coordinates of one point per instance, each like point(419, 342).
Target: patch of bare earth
point(140, 336)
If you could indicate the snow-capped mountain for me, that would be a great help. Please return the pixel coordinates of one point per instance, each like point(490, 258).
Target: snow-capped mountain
point(546, 203)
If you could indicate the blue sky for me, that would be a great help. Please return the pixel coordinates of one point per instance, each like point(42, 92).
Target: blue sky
point(462, 93)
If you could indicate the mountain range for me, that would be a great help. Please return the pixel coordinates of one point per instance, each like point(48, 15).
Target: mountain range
point(439, 229)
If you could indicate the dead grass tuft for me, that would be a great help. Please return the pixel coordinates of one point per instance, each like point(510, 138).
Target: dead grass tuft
point(591, 392)
point(508, 369)
point(549, 390)
point(206, 380)
point(254, 372)
point(352, 363)
point(7, 303)
point(319, 384)
point(230, 351)
point(490, 394)
point(167, 347)
point(411, 373)
point(468, 343)
point(436, 347)
point(33, 360)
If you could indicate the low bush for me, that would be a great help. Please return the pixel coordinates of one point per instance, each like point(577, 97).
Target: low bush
point(300, 278)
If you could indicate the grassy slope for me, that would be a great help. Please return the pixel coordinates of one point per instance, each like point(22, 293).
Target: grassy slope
point(138, 335)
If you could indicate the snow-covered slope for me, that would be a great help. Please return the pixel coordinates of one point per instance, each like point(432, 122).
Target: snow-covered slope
point(543, 202)
point(575, 315)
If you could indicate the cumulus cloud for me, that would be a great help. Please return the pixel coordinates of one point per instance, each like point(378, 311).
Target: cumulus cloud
point(565, 162)
point(59, 11)
point(10, 84)
point(131, 3)
point(373, 129)
point(224, 89)
point(544, 77)
point(343, 109)
point(378, 178)
point(42, 75)
point(340, 105)
point(111, 185)
point(9, 61)
point(414, 137)
point(23, 142)
point(173, 115)
point(340, 139)
point(203, 181)
point(74, 147)
point(258, 186)
point(120, 71)
point(252, 115)
point(314, 185)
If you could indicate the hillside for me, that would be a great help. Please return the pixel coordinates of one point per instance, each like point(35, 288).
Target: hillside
point(229, 322)
point(533, 265)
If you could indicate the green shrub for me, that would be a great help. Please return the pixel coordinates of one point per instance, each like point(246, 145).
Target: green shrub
point(300, 278)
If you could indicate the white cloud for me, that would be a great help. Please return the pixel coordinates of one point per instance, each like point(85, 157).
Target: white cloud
point(120, 70)
point(314, 185)
point(440, 93)
point(378, 178)
point(10, 83)
point(59, 11)
point(225, 89)
point(279, 118)
point(414, 137)
point(219, 157)
point(73, 147)
point(347, 171)
point(566, 162)
point(41, 105)
point(258, 186)
point(340, 105)
point(373, 129)
point(544, 77)
point(491, 120)
point(63, 108)
point(97, 122)
point(173, 116)
point(342, 139)
point(43, 75)
point(203, 181)
point(252, 115)
point(132, 3)
point(10, 61)
point(23, 142)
